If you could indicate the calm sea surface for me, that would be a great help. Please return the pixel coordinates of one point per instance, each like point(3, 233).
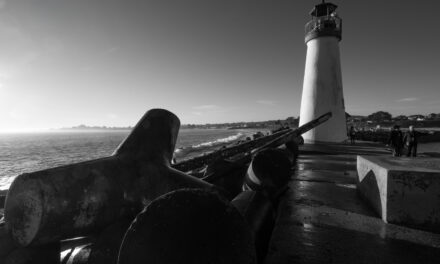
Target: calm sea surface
point(21, 153)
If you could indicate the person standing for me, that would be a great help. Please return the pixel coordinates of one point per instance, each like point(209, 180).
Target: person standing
point(410, 140)
point(395, 140)
point(352, 134)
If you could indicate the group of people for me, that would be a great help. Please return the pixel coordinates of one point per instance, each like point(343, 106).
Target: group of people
point(399, 140)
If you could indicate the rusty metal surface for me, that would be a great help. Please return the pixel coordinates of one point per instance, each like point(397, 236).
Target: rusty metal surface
point(259, 212)
point(188, 226)
point(77, 199)
point(47, 254)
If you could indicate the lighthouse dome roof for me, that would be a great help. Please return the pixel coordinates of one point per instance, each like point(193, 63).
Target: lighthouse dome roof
point(323, 9)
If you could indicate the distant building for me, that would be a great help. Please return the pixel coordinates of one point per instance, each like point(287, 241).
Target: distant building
point(400, 117)
point(416, 117)
point(433, 116)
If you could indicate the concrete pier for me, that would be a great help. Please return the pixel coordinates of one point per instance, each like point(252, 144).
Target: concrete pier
point(323, 219)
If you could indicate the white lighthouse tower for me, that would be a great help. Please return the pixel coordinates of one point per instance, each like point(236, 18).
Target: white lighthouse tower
point(322, 87)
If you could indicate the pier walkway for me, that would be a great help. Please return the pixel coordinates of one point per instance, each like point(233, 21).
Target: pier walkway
point(323, 220)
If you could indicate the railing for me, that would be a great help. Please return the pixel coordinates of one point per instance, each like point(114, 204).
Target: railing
point(324, 24)
point(382, 136)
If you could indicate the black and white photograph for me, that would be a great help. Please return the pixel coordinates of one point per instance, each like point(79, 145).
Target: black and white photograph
point(219, 132)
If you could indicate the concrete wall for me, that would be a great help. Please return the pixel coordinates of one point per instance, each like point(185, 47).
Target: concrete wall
point(373, 185)
point(402, 191)
point(322, 91)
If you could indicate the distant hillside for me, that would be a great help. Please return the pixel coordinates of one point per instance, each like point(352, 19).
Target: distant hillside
point(290, 121)
point(85, 127)
point(385, 119)
point(382, 119)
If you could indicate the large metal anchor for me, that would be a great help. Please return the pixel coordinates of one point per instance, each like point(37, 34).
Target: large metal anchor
point(75, 200)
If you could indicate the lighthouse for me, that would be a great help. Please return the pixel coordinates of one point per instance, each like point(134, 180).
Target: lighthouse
point(322, 87)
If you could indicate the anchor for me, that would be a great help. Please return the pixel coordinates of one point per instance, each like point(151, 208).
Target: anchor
point(198, 226)
point(47, 206)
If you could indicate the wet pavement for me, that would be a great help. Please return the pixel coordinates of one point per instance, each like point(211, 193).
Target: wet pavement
point(323, 219)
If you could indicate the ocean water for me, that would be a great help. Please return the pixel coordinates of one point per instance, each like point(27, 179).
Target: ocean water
point(20, 153)
point(27, 152)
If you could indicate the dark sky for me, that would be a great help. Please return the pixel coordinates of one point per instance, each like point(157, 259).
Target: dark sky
point(105, 62)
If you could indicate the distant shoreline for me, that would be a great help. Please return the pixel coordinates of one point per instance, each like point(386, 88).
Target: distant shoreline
point(91, 128)
point(271, 124)
point(425, 124)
